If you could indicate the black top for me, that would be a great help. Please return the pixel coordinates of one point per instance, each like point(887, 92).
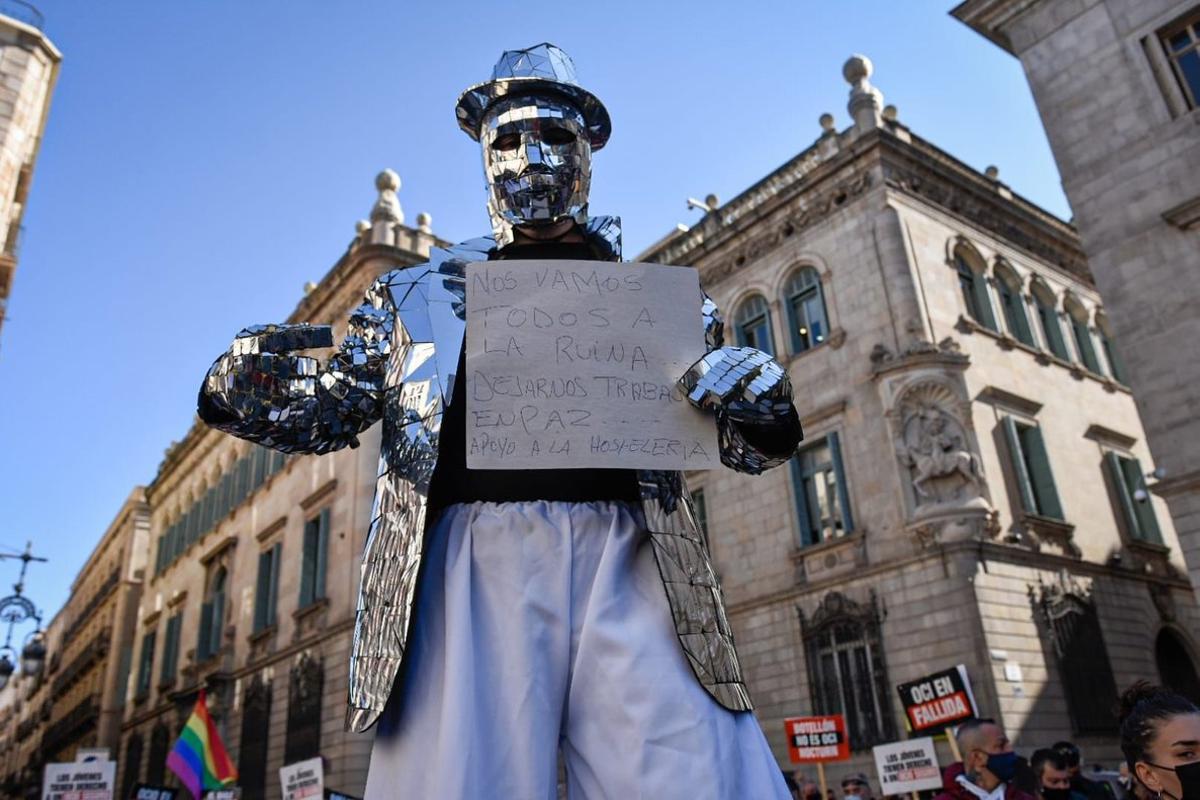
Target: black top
point(452, 482)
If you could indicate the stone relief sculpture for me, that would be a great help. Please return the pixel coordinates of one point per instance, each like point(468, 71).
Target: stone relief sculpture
point(943, 468)
point(938, 452)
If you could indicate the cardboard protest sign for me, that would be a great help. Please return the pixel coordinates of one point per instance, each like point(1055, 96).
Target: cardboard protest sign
point(817, 739)
point(92, 780)
point(304, 779)
point(144, 791)
point(909, 766)
point(574, 364)
point(938, 701)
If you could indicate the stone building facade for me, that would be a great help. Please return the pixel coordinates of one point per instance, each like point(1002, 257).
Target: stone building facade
point(28, 71)
point(970, 489)
point(88, 669)
point(1117, 84)
point(26, 707)
point(254, 571)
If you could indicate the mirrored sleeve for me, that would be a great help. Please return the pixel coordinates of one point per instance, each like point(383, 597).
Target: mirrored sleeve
point(261, 392)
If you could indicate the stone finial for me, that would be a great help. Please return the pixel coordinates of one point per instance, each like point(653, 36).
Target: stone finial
point(890, 113)
point(866, 102)
point(309, 288)
point(362, 226)
point(424, 222)
point(712, 201)
point(826, 122)
point(992, 172)
point(387, 207)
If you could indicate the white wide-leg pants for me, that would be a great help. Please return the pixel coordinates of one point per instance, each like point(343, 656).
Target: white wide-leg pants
point(542, 625)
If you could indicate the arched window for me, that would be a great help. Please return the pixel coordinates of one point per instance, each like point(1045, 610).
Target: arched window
point(1013, 305)
point(305, 685)
point(752, 324)
point(846, 670)
point(973, 284)
point(252, 755)
point(1175, 667)
point(1083, 664)
point(1078, 317)
point(212, 617)
point(1043, 300)
point(1116, 367)
point(160, 747)
point(132, 765)
point(806, 309)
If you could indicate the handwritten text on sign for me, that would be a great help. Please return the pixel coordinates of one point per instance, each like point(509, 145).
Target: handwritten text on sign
point(575, 363)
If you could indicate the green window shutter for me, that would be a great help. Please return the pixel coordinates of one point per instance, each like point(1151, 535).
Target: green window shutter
point(217, 623)
point(241, 487)
point(203, 637)
point(1016, 458)
point(322, 554)
point(807, 535)
point(262, 590)
point(983, 302)
point(1115, 366)
point(273, 587)
point(146, 667)
point(1144, 510)
point(1039, 471)
point(1053, 331)
point(164, 668)
point(843, 496)
point(308, 564)
point(1112, 462)
point(158, 559)
point(1087, 351)
point(1021, 320)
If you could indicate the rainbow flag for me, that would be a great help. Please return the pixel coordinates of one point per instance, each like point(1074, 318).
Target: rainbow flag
point(199, 757)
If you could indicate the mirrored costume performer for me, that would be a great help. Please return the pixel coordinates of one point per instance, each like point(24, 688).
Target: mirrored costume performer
point(527, 608)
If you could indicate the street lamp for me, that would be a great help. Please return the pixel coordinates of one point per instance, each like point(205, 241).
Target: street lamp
point(14, 610)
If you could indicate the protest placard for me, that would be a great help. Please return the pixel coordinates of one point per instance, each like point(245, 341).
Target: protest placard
point(817, 738)
point(145, 791)
point(92, 780)
point(224, 793)
point(938, 701)
point(304, 779)
point(575, 364)
point(909, 766)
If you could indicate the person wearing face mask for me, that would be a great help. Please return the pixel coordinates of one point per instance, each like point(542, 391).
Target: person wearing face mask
point(856, 787)
point(1053, 776)
point(989, 768)
point(1160, 738)
point(1085, 787)
point(505, 617)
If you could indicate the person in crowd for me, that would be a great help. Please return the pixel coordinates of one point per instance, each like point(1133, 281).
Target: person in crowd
point(988, 768)
point(1053, 775)
point(810, 791)
point(1090, 789)
point(1160, 738)
point(1126, 782)
point(856, 787)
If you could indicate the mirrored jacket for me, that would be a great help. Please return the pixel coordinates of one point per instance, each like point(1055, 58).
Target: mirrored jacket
point(398, 363)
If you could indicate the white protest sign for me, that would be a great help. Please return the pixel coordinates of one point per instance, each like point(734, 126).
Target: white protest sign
point(303, 779)
point(79, 780)
point(909, 766)
point(575, 364)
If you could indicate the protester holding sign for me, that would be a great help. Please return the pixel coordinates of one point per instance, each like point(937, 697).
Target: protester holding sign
point(988, 768)
point(548, 598)
point(1053, 777)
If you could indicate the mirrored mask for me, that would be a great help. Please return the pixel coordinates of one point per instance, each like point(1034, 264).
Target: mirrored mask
point(538, 164)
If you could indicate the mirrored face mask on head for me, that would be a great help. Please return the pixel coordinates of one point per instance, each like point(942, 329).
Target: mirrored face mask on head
point(538, 164)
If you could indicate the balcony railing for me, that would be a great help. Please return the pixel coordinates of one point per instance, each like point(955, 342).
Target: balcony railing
point(23, 12)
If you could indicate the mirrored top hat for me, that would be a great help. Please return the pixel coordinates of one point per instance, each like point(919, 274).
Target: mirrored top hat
point(542, 69)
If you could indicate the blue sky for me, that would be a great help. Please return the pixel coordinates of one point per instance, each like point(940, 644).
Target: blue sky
point(204, 159)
